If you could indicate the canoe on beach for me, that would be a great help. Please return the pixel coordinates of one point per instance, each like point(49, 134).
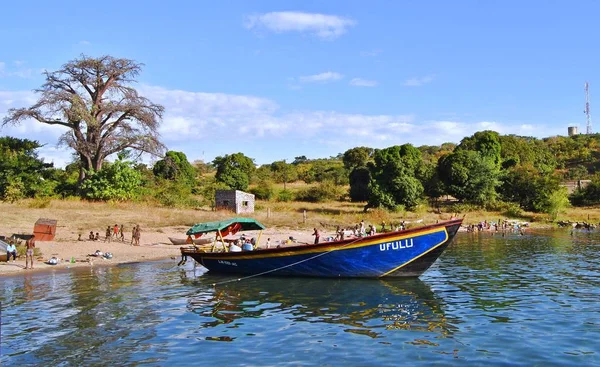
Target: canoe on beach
point(196, 241)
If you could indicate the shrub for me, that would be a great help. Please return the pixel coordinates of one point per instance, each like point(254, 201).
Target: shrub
point(325, 191)
point(285, 196)
point(263, 191)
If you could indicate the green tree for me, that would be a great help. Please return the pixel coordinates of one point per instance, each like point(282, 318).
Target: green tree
point(394, 181)
point(94, 100)
point(117, 181)
point(21, 170)
point(487, 143)
point(360, 178)
point(284, 172)
point(554, 202)
point(234, 170)
point(357, 157)
point(175, 167)
point(468, 176)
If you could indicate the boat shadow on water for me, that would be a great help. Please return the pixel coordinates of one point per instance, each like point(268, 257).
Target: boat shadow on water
point(368, 307)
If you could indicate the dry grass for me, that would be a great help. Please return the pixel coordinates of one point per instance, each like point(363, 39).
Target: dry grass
point(80, 216)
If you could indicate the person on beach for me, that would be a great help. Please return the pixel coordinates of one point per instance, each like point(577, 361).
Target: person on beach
point(11, 249)
point(268, 244)
point(317, 236)
point(97, 238)
point(91, 236)
point(116, 231)
point(122, 233)
point(29, 245)
point(108, 235)
point(138, 234)
point(133, 234)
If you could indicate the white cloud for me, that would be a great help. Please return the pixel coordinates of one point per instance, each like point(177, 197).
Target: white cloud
point(321, 25)
point(204, 125)
point(19, 72)
point(321, 78)
point(359, 82)
point(84, 43)
point(417, 82)
point(371, 53)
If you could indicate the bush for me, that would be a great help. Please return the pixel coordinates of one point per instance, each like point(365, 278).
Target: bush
point(263, 191)
point(285, 196)
point(325, 191)
point(14, 191)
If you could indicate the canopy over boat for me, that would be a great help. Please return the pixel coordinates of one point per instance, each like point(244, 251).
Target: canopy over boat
point(230, 226)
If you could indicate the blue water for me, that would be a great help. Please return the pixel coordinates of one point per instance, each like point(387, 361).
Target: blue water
point(500, 301)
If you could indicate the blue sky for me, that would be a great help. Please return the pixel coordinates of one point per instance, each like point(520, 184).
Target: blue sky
point(279, 79)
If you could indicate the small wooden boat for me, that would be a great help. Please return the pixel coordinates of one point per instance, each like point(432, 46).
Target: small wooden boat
point(195, 241)
point(406, 253)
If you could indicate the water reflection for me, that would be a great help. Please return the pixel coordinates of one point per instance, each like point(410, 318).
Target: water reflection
point(368, 307)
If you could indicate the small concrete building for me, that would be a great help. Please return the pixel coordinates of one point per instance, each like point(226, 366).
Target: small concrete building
point(235, 200)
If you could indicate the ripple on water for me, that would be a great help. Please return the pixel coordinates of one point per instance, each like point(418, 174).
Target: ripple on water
point(514, 300)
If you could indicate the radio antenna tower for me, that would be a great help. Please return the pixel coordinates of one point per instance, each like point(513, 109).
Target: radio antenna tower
point(588, 117)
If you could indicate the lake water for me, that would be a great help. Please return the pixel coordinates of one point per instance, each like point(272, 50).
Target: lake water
point(494, 300)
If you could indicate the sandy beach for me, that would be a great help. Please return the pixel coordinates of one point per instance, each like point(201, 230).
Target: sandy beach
point(154, 245)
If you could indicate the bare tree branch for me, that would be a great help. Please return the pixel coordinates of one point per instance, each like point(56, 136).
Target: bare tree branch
point(94, 98)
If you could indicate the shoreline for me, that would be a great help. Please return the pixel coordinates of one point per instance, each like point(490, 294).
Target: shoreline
point(154, 246)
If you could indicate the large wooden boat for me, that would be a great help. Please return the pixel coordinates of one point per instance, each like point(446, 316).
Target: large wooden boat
point(406, 253)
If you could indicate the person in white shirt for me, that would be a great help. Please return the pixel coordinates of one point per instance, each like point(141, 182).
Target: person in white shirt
point(11, 249)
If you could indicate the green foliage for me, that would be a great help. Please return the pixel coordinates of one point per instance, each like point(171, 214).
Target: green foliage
point(553, 203)
point(209, 189)
point(15, 190)
point(393, 177)
point(578, 172)
point(469, 177)
point(174, 194)
point(525, 185)
point(285, 196)
point(234, 170)
point(487, 143)
point(360, 177)
point(21, 171)
point(324, 191)
point(357, 157)
point(175, 166)
point(321, 170)
point(263, 191)
point(283, 172)
point(588, 195)
point(118, 181)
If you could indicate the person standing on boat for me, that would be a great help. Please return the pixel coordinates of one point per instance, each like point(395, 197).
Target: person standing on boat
point(317, 236)
point(361, 229)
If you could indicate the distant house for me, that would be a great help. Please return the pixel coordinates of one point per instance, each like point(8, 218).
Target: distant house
point(235, 200)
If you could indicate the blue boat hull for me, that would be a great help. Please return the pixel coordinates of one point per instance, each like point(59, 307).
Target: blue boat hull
point(397, 254)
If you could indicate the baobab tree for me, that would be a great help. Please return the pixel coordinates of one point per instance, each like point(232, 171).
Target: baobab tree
point(93, 97)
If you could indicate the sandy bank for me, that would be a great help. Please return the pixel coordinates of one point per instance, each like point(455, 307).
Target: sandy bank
point(154, 245)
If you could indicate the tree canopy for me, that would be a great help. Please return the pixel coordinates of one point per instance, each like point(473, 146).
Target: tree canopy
point(234, 170)
point(94, 99)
